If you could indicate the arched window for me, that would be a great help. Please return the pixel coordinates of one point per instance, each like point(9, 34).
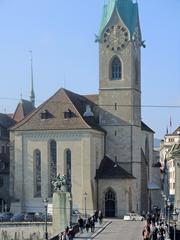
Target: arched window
point(53, 163)
point(37, 173)
point(68, 168)
point(116, 69)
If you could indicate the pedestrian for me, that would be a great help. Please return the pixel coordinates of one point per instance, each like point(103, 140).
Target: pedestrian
point(100, 216)
point(92, 224)
point(146, 232)
point(87, 224)
point(96, 215)
point(81, 224)
point(61, 236)
point(154, 232)
point(161, 232)
point(71, 233)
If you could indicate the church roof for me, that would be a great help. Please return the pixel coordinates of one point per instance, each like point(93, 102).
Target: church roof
point(177, 131)
point(127, 11)
point(63, 111)
point(108, 170)
point(144, 127)
point(22, 110)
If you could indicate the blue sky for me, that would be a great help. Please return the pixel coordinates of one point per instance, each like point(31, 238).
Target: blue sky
point(61, 35)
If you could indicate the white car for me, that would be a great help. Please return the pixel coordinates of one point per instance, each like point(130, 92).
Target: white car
point(133, 217)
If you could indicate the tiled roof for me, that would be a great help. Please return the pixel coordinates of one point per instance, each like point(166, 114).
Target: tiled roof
point(61, 102)
point(108, 170)
point(144, 127)
point(22, 110)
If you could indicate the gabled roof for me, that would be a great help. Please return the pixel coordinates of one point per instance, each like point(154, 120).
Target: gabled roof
point(22, 110)
point(177, 131)
point(144, 127)
point(61, 102)
point(108, 170)
point(126, 9)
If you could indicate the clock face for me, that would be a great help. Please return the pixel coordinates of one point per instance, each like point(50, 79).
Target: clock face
point(116, 37)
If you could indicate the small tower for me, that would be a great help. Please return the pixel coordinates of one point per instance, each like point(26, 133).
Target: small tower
point(32, 94)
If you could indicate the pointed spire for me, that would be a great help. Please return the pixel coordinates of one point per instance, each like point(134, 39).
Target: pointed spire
point(32, 94)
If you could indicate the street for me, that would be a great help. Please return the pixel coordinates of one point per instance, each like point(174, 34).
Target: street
point(122, 230)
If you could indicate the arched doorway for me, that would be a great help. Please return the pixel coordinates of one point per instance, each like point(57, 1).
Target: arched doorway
point(110, 200)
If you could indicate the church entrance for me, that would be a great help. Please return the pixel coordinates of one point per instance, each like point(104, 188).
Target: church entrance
point(110, 199)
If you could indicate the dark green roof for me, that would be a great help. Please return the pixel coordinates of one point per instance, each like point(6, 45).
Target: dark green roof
point(127, 11)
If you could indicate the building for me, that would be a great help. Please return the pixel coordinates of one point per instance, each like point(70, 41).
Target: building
point(5, 122)
point(98, 141)
point(23, 108)
point(169, 145)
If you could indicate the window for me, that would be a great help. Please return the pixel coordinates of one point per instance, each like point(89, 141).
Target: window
point(68, 168)
point(116, 70)
point(68, 114)
point(45, 114)
point(53, 164)
point(37, 173)
point(1, 182)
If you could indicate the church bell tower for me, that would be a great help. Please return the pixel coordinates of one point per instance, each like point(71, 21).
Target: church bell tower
point(120, 79)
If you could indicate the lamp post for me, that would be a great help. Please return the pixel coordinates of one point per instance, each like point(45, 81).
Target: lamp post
point(168, 208)
point(85, 197)
point(175, 218)
point(70, 204)
point(45, 201)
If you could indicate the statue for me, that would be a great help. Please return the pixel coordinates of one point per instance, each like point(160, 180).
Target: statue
point(60, 183)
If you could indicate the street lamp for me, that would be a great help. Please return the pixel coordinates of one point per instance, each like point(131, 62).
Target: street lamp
point(85, 197)
point(70, 204)
point(45, 201)
point(175, 218)
point(168, 208)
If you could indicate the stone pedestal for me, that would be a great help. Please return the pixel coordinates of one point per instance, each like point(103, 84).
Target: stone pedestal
point(61, 211)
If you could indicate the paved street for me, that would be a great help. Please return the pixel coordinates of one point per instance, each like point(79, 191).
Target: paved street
point(122, 230)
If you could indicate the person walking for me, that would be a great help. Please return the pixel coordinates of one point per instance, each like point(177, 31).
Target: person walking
point(87, 224)
point(154, 232)
point(92, 224)
point(100, 216)
point(146, 232)
point(81, 224)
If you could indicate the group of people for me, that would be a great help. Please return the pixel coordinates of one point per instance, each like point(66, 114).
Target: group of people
point(68, 234)
point(89, 223)
point(154, 229)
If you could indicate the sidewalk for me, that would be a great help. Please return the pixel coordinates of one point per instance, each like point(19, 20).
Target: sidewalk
point(98, 228)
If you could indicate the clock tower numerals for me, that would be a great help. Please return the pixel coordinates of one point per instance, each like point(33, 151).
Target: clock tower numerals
point(116, 38)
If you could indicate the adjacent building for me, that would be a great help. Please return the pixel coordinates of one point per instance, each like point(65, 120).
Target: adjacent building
point(169, 146)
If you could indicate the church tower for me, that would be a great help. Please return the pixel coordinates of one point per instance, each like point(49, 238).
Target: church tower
point(120, 80)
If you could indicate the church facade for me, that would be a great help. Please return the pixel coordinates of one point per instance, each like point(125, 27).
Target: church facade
point(98, 141)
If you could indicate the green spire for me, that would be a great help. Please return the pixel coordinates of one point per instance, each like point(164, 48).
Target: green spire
point(127, 11)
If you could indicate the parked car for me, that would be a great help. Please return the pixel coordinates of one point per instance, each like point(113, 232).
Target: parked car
point(29, 217)
point(5, 217)
point(18, 217)
point(133, 217)
point(40, 217)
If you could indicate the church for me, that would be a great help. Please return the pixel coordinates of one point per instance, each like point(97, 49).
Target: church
point(98, 141)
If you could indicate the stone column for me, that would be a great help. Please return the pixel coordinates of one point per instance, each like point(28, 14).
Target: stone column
point(61, 211)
